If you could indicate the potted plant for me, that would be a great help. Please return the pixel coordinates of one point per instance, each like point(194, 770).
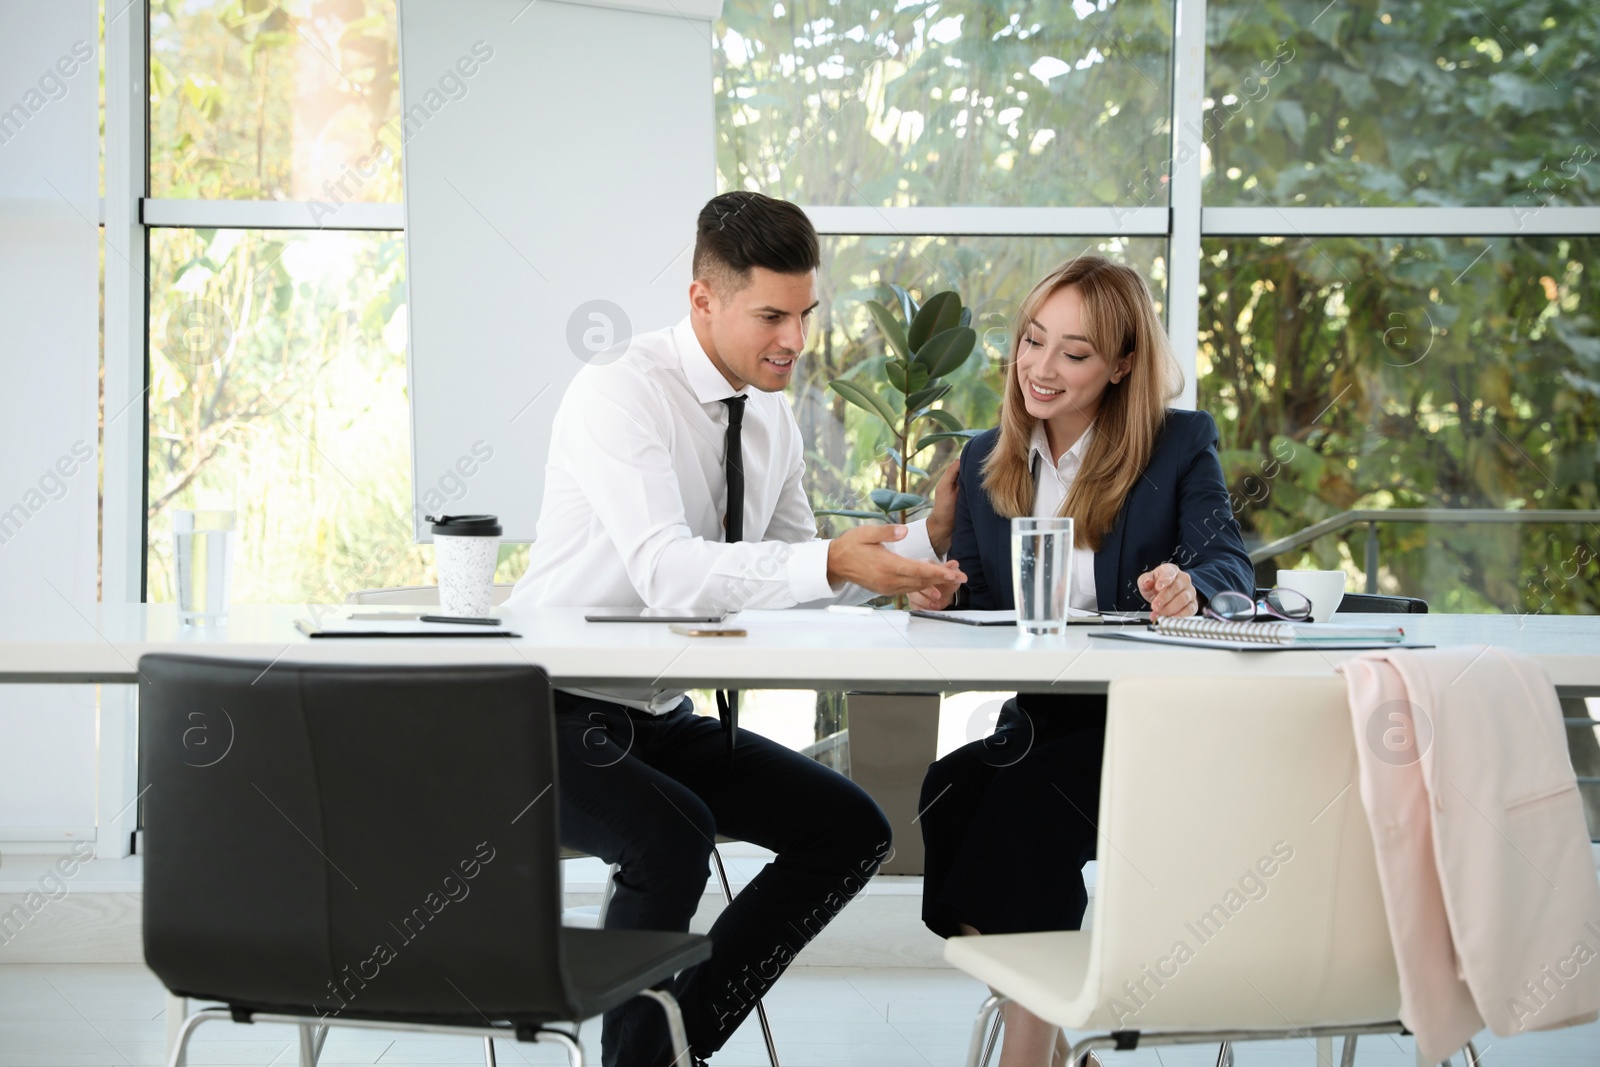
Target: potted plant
point(934, 341)
point(892, 736)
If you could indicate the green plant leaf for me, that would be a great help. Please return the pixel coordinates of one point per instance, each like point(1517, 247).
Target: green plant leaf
point(944, 418)
point(899, 461)
point(929, 439)
point(941, 312)
point(908, 306)
point(906, 377)
point(923, 397)
point(891, 501)
point(865, 399)
point(895, 371)
point(947, 350)
point(892, 331)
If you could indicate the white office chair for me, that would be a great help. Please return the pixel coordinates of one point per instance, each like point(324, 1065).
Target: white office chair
point(1237, 896)
point(423, 595)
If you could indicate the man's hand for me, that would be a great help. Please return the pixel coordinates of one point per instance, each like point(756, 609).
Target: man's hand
point(942, 521)
point(858, 556)
point(1170, 592)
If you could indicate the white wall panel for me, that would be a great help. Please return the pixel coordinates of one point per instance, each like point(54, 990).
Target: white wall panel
point(49, 293)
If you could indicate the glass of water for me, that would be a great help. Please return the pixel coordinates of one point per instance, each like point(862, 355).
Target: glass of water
point(202, 557)
point(1041, 573)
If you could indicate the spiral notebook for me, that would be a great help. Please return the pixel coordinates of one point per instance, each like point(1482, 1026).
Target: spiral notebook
point(1266, 636)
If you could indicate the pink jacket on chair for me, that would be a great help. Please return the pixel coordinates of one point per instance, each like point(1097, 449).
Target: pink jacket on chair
point(1483, 854)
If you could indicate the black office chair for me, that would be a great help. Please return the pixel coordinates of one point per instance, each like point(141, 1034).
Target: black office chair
point(372, 847)
point(1376, 603)
point(1387, 605)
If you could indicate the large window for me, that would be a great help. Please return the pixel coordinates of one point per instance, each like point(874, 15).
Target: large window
point(1446, 357)
point(1453, 371)
point(277, 356)
point(1450, 373)
point(1443, 367)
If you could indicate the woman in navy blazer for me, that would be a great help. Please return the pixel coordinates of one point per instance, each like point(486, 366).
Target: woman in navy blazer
point(1009, 821)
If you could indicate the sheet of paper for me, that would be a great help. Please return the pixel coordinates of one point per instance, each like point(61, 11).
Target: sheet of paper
point(1075, 617)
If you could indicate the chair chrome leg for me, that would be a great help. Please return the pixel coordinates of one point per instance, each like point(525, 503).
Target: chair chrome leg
point(680, 1040)
point(177, 1012)
point(761, 1009)
point(766, 1032)
point(1225, 1054)
point(488, 1052)
point(980, 1026)
point(564, 1039)
point(1471, 1053)
point(992, 1040)
point(309, 1045)
point(722, 875)
point(605, 896)
point(1347, 1057)
point(180, 1047)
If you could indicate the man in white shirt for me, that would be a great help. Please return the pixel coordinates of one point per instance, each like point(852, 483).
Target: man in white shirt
point(675, 481)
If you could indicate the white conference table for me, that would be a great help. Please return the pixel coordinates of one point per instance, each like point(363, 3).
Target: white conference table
point(795, 649)
point(62, 643)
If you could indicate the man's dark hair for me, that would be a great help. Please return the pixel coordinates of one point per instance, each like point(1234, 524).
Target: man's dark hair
point(741, 230)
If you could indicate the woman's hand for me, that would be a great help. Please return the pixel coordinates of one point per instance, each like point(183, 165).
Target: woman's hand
point(1169, 591)
point(933, 598)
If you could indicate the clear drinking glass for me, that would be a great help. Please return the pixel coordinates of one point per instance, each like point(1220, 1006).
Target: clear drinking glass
point(1041, 573)
point(202, 559)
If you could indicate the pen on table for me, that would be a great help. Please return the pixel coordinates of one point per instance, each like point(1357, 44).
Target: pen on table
point(851, 609)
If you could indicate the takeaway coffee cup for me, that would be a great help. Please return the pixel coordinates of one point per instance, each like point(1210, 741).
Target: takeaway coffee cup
point(465, 549)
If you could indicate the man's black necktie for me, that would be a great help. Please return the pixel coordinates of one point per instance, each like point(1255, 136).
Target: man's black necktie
point(733, 526)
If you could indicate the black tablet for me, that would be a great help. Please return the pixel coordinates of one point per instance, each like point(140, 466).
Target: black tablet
point(654, 615)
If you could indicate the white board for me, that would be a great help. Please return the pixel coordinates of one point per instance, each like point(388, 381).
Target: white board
point(555, 158)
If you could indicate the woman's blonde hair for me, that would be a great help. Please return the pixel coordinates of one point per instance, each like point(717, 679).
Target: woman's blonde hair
point(1119, 318)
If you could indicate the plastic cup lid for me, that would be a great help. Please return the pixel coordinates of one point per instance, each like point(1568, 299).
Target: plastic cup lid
point(465, 525)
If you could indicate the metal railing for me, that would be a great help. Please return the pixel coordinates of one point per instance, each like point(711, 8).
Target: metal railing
point(1373, 516)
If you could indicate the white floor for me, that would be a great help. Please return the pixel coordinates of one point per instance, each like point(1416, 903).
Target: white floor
point(57, 1015)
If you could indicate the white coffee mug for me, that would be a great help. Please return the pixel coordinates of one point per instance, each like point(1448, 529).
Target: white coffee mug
point(1323, 588)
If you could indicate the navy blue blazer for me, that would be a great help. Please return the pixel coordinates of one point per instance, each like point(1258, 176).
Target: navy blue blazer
point(1178, 512)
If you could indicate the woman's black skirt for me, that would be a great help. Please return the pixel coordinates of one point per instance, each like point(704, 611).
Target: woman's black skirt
point(1009, 821)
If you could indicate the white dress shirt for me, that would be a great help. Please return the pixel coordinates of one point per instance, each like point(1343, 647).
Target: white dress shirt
point(635, 492)
point(1050, 490)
